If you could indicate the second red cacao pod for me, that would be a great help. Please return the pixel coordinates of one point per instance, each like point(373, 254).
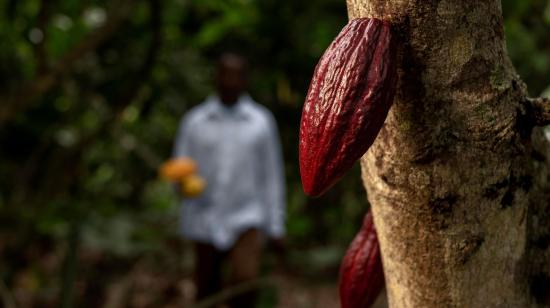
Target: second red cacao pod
point(348, 100)
point(361, 272)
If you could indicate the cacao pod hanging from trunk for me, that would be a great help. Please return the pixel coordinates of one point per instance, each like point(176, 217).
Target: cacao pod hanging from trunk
point(348, 100)
point(361, 272)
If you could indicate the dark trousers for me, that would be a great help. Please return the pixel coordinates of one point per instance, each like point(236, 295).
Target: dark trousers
point(243, 259)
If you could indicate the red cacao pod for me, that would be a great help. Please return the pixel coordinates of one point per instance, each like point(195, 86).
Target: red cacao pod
point(361, 272)
point(348, 100)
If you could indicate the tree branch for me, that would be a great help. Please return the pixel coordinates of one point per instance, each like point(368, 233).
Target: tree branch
point(143, 73)
point(11, 9)
point(541, 110)
point(44, 15)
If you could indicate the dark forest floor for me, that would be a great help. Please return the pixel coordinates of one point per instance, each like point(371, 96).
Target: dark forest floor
point(162, 279)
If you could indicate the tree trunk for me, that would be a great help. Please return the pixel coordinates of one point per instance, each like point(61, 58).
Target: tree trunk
point(458, 178)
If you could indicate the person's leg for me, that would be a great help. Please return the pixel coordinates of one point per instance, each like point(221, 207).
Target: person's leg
point(244, 260)
point(208, 264)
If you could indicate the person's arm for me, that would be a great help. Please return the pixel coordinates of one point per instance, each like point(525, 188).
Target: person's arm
point(182, 145)
point(182, 142)
point(275, 184)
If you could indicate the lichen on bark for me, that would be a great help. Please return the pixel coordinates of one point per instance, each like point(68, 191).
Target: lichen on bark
point(458, 177)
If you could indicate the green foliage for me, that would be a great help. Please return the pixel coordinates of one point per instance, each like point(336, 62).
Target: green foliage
point(526, 25)
point(87, 149)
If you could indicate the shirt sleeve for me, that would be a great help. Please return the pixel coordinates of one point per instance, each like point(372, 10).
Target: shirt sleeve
point(182, 143)
point(275, 184)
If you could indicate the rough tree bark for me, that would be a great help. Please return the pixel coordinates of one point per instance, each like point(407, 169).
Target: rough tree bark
point(458, 178)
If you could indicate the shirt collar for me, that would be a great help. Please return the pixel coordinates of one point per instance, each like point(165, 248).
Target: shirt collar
point(218, 110)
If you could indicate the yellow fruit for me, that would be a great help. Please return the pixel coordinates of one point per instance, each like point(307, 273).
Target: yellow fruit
point(176, 169)
point(192, 186)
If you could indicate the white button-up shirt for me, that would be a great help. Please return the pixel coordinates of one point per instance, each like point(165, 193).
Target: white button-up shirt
point(238, 153)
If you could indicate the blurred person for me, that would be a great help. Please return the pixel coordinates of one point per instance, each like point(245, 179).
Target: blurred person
point(235, 143)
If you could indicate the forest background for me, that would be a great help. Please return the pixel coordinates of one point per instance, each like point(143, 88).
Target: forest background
point(90, 99)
